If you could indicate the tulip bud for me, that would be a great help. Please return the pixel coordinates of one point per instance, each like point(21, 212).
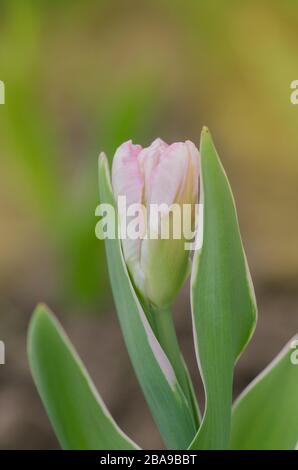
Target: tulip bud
point(166, 175)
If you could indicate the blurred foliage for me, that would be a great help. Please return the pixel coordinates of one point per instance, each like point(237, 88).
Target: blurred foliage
point(81, 77)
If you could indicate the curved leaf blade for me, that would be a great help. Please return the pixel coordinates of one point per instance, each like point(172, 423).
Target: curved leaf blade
point(223, 303)
point(156, 376)
point(265, 416)
point(77, 413)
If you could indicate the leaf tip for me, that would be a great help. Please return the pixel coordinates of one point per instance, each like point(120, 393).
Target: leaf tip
point(104, 172)
point(102, 160)
point(206, 137)
point(40, 313)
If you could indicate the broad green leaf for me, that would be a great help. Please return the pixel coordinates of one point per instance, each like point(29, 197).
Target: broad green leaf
point(163, 393)
point(77, 413)
point(223, 303)
point(265, 416)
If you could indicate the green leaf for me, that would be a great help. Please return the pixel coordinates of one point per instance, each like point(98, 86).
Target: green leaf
point(77, 413)
point(265, 416)
point(163, 393)
point(223, 303)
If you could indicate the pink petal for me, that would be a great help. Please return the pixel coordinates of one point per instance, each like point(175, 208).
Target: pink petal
point(127, 180)
point(168, 174)
point(148, 159)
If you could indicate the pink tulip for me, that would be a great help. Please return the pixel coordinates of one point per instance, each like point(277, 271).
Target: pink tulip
point(158, 174)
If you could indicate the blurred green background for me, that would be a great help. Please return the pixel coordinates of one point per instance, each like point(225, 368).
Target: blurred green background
point(82, 77)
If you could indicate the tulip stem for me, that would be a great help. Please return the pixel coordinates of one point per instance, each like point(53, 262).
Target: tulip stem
point(166, 335)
